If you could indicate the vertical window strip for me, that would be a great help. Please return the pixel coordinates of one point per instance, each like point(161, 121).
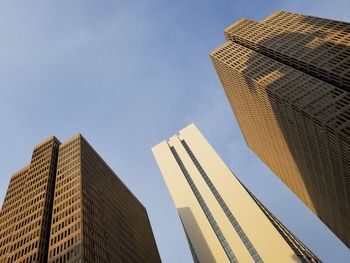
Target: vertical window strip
point(232, 258)
point(224, 207)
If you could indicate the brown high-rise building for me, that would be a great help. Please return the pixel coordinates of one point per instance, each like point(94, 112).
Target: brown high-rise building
point(287, 79)
point(26, 212)
point(67, 205)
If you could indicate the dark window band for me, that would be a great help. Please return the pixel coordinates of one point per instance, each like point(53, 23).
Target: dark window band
point(224, 207)
point(205, 209)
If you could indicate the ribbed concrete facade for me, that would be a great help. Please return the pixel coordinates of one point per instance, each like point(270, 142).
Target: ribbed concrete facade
point(69, 206)
point(223, 222)
point(287, 79)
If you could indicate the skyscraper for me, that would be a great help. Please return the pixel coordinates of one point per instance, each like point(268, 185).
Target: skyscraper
point(26, 212)
point(223, 222)
point(67, 205)
point(287, 80)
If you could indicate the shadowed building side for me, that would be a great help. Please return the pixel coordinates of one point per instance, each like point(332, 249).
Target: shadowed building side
point(194, 233)
point(317, 46)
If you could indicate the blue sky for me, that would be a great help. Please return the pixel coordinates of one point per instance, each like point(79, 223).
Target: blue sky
point(127, 75)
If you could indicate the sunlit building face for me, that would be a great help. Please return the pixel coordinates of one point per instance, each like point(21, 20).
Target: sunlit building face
point(223, 221)
point(287, 80)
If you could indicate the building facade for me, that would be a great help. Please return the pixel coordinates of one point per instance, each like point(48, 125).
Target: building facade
point(26, 212)
point(287, 80)
point(223, 222)
point(67, 205)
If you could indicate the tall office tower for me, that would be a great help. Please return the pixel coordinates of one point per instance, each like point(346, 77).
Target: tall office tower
point(287, 80)
point(223, 222)
point(26, 212)
point(95, 216)
point(69, 206)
